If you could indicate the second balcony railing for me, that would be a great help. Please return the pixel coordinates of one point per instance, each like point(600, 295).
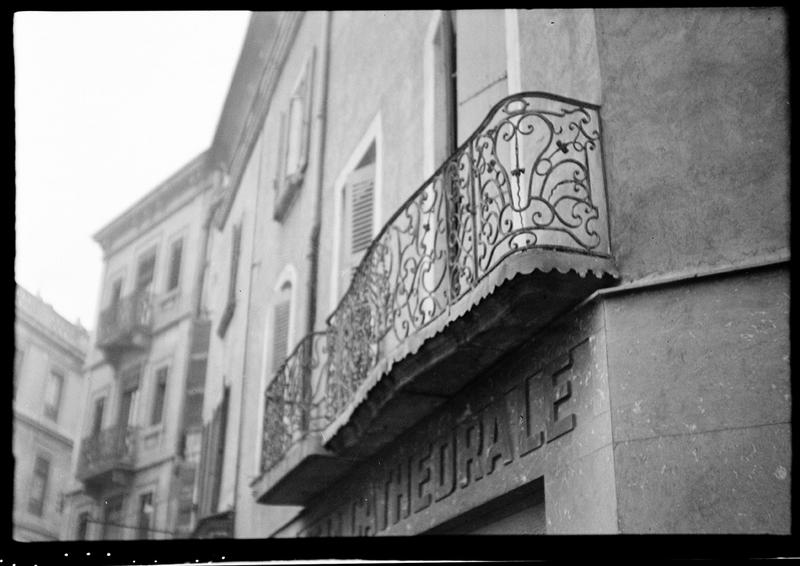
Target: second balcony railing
point(110, 449)
point(119, 323)
point(530, 179)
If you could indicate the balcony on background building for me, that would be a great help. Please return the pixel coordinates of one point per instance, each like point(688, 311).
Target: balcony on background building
point(107, 459)
point(125, 325)
point(510, 232)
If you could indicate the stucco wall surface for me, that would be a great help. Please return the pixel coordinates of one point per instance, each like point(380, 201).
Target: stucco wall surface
point(696, 135)
point(701, 405)
point(558, 53)
point(375, 67)
point(280, 252)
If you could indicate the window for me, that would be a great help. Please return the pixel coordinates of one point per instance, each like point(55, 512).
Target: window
point(358, 204)
point(159, 395)
point(130, 396)
point(146, 270)
point(211, 458)
point(227, 315)
point(145, 518)
point(112, 518)
point(83, 526)
point(52, 394)
point(97, 422)
point(176, 251)
point(116, 292)
point(41, 475)
point(293, 142)
point(280, 326)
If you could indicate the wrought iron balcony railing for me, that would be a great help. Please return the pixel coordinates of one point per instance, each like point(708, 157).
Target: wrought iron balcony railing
point(120, 323)
point(528, 182)
point(111, 449)
point(294, 399)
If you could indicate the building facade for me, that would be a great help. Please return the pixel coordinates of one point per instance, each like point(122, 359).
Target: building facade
point(49, 352)
point(550, 284)
point(497, 271)
point(138, 454)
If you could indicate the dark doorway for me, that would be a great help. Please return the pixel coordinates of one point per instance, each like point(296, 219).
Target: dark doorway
point(519, 512)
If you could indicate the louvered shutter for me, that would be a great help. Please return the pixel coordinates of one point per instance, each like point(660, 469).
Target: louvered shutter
point(359, 214)
point(280, 166)
point(280, 334)
point(307, 92)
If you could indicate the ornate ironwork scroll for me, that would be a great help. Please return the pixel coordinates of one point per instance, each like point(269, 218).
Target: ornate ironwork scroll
point(529, 177)
point(293, 399)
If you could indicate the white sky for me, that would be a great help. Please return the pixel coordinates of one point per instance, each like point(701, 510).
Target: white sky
point(108, 105)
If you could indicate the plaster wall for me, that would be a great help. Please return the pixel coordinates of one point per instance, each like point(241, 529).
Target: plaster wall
point(701, 405)
point(281, 251)
point(696, 135)
point(226, 353)
point(39, 356)
point(481, 66)
point(375, 68)
point(558, 53)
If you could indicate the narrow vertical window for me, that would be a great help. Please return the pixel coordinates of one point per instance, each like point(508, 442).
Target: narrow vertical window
point(146, 271)
point(359, 211)
point(52, 395)
point(159, 395)
point(41, 476)
point(176, 252)
point(145, 518)
point(130, 396)
point(236, 244)
point(211, 458)
point(112, 518)
point(97, 422)
point(116, 292)
point(293, 142)
point(83, 526)
point(280, 328)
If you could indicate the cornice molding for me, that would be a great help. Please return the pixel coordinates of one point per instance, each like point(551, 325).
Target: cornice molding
point(152, 208)
point(45, 322)
point(44, 333)
point(56, 434)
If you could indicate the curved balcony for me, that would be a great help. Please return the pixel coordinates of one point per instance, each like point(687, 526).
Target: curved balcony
point(125, 325)
point(508, 233)
point(107, 458)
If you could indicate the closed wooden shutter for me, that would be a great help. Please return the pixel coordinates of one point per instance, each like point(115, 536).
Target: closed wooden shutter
point(307, 92)
point(212, 458)
point(221, 425)
point(280, 164)
point(359, 218)
point(235, 252)
point(280, 334)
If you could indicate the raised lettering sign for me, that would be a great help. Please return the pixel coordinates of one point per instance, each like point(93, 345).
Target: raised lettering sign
point(513, 425)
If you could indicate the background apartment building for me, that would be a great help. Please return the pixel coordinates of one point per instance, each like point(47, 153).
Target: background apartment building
point(48, 401)
point(137, 449)
point(497, 271)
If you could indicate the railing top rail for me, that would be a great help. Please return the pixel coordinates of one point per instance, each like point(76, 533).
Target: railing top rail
point(296, 350)
point(464, 145)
